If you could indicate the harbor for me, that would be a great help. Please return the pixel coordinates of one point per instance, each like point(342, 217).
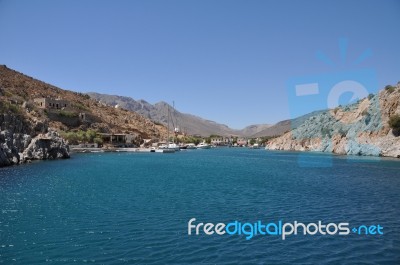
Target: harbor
point(83, 148)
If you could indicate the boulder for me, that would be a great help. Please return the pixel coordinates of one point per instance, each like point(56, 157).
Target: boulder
point(47, 146)
point(21, 143)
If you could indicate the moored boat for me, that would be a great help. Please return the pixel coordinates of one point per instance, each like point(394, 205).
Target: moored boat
point(203, 146)
point(165, 150)
point(191, 146)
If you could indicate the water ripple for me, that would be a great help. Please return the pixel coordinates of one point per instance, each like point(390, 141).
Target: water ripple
point(134, 208)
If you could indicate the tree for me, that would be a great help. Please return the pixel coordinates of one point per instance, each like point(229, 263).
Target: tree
point(394, 123)
point(71, 137)
point(389, 88)
point(98, 140)
point(90, 135)
point(81, 135)
point(234, 140)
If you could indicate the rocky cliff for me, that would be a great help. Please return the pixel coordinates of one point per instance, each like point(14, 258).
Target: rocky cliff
point(358, 129)
point(284, 126)
point(29, 132)
point(23, 140)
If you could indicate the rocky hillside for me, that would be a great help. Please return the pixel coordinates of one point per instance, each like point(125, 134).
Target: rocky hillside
point(284, 126)
point(29, 132)
point(254, 130)
point(20, 88)
point(189, 123)
point(358, 129)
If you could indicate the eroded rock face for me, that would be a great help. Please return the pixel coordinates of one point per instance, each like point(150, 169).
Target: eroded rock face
point(47, 146)
point(359, 129)
point(20, 141)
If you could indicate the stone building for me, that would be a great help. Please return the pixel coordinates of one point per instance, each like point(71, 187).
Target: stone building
point(118, 139)
point(49, 103)
point(221, 140)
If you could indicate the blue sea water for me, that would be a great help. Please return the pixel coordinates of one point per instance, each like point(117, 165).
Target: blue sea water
point(134, 208)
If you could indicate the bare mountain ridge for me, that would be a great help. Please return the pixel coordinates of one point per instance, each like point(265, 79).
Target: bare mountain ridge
point(18, 87)
point(285, 125)
point(196, 125)
point(189, 123)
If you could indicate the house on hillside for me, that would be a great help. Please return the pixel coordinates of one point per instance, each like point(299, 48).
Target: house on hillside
point(49, 103)
point(241, 141)
point(118, 139)
point(221, 140)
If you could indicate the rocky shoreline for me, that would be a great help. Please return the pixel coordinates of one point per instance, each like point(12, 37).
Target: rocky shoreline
point(22, 141)
point(358, 129)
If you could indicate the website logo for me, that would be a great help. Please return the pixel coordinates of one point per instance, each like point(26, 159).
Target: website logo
point(343, 94)
point(280, 228)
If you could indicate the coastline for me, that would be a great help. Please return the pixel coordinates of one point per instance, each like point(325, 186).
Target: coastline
point(360, 129)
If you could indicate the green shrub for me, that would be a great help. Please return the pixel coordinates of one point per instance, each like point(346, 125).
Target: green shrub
point(157, 123)
point(389, 88)
point(326, 132)
point(394, 122)
point(6, 107)
point(67, 114)
point(336, 110)
point(8, 94)
point(70, 136)
point(191, 139)
point(79, 106)
point(98, 140)
point(370, 96)
point(89, 136)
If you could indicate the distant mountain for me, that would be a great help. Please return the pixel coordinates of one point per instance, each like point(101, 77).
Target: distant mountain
point(189, 123)
point(285, 125)
point(254, 129)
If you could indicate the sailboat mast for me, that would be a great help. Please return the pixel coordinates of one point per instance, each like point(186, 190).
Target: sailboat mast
point(168, 125)
point(173, 123)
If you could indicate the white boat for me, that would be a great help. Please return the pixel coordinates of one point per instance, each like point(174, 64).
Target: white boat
point(191, 146)
point(203, 146)
point(145, 150)
point(166, 150)
point(173, 146)
point(170, 146)
point(127, 149)
point(97, 151)
point(182, 147)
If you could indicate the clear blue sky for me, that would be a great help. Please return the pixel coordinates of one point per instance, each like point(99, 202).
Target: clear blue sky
point(227, 61)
